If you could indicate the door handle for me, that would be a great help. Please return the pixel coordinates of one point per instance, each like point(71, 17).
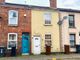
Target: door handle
point(36, 46)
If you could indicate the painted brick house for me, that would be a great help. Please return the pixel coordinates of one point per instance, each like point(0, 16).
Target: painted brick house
point(70, 29)
point(45, 30)
point(15, 23)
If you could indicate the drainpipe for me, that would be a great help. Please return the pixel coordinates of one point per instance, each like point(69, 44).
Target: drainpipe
point(60, 31)
point(60, 22)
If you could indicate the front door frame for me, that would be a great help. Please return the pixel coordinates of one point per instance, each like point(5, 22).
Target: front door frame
point(40, 40)
point(29, 43)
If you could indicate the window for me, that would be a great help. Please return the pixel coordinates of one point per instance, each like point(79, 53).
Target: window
point(79, 33)
point(12, 40)
point(13, 18)
point(79, 37)
point(47, 17)
point(48, 39)
point(71, 21)
point(72, 40)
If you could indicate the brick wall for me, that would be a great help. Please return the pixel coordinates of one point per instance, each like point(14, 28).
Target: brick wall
point(53, 3)
point(24, 24)
point(2, 1)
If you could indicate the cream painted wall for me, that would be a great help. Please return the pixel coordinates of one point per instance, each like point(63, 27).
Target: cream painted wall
point(66, 30)
point(39, 28)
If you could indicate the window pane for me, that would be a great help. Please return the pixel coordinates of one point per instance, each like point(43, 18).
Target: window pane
point(47, 36)
point(47, 17)
point(12, 44)
point(12, 37)
point(13, 17)
point(72, 40)
point(72, 43)
point(79, 34)
point(47, 22)
point(10, 14)
point(13, 21)
point(71, 21)
point(71, 18)
point(72, 37)
point(71, 24)
point(14, 14)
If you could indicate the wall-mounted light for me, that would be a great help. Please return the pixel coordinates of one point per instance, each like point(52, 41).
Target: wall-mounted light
point(65, 17)
point(24, 15)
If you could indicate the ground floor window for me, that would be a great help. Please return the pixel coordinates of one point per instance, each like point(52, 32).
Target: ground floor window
point(72, 40)
point(48, 39)
point(12, 40)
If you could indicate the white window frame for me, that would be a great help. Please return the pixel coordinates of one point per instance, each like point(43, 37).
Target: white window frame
point(48, 19)
point(12, 40)
point(14, 18)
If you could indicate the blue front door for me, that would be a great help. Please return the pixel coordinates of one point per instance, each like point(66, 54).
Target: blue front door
point(25, 43)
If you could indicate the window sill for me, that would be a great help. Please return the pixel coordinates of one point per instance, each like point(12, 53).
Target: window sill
point(72, 27)
point(10, 48)
point(72, 46)
point(13, 25)
point(47, 24)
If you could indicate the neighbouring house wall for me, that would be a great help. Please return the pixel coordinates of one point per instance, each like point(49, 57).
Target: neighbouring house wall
point(24, 24)
point(39, 28)
point(66, 30)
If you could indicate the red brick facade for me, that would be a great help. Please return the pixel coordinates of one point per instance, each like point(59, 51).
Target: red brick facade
point(53, 3)
point(24, 24)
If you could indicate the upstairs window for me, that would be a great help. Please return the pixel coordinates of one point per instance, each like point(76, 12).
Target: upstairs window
point(71, 21)
point(13, 18)
point(47, 18)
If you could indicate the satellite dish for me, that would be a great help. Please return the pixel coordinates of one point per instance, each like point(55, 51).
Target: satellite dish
point(60, 22)
point(65, 17)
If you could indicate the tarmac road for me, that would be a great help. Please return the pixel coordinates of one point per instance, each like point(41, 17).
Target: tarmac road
point(45, 57)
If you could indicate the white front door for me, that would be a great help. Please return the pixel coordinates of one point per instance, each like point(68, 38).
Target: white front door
point(36, 45)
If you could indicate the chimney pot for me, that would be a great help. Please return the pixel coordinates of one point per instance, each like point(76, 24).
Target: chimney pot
point(53, 3)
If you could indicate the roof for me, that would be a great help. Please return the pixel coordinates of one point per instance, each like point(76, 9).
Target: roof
point(27, 6)
point(68, 10)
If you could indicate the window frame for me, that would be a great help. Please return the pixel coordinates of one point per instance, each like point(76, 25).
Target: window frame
point(14, 18)
point(72, 22)
point(50, 17)
point(12, 40)
point(48, 41)
point(73, 40)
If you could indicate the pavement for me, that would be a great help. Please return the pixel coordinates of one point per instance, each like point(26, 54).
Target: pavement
point(45, 57)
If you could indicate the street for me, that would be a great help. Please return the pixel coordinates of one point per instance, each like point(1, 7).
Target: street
point(44, 57)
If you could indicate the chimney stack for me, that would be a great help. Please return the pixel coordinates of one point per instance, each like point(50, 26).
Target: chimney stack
point(2, 1)
point(53, 3)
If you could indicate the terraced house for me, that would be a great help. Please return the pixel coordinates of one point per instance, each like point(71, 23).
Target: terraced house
point(29, 28)
point(45, 30)
point(69, 29)
point(15, 27)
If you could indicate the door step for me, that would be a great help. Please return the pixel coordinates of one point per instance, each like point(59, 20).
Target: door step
point(25, 54)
